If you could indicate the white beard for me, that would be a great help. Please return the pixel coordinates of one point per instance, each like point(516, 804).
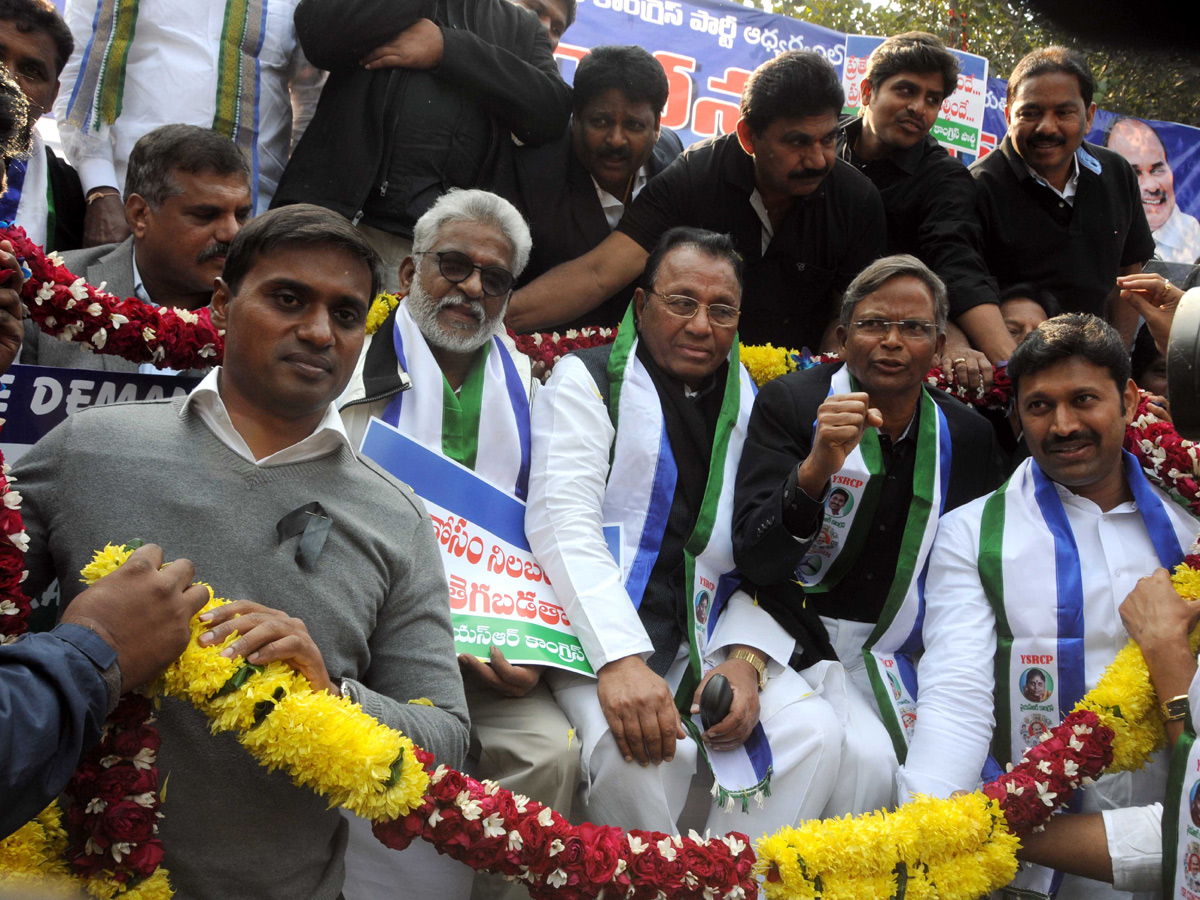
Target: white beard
point(424, 310)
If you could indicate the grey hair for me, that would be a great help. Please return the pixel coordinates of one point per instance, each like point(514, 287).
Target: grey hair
point(475, 206)
point(878, 273)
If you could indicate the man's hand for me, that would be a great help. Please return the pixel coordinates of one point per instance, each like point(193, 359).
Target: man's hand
point(732, 731)
point(1155, 300)
point(265, 635)
point(1159, 406)
point(419, 46)
point(1156, 616)
point(11, 308)
point(841, 420)
point(962, 363)
point(142, 611)
point(640, 711)
point(500, 675)
point(104, 222)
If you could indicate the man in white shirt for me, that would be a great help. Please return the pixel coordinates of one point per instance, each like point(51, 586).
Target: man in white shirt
point(1032, 576)
point(468, 250)
point(44, 196)
point(1176, 234)
point(645, 435)
point(225, 66)
point(187, 195)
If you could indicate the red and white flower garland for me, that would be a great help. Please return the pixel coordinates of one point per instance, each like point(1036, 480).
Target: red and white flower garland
point(70, 309)
point(493, 830)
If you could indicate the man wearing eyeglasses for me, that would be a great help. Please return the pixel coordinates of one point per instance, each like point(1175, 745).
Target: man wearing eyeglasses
point(643, 436)
point(442, 371)
point(896, 455)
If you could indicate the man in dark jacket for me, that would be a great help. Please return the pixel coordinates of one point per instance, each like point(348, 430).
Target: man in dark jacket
point(844, 474)
point(574, 190)
point(422, 94)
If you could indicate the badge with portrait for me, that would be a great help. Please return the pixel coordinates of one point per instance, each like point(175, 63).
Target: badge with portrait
point(1033, 691)
point(1181, 820)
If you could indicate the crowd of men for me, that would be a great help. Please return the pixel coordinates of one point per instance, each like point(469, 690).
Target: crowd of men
point(900, 592)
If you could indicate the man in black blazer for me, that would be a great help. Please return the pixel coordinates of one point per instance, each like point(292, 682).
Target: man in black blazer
point(574, 190)
point(872, 433)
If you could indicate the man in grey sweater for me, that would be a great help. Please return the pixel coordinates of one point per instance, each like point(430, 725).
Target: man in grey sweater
point(253, 478)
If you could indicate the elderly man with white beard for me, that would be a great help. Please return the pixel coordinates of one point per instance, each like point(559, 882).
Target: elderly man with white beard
point(436, 364)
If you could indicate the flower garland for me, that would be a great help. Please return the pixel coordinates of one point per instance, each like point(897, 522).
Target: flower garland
point(70, 309)
point(493, 830)
point(1165, 457)
point(14, 605)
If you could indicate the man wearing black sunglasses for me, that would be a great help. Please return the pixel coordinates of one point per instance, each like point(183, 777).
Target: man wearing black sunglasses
point(441, 370)
point(845, 473)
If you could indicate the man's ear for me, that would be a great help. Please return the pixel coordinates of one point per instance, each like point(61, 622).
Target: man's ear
point(408, 271)
point(1091, 114)
point(137, 214)
point(219, 305)
point(1131, 396)
point(865, 90)
point(745, 136)
point(639, 305)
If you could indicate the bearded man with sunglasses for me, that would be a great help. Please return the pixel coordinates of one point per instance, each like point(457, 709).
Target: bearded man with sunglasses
point(442, 371)
point(898, 455)
point(645, 435)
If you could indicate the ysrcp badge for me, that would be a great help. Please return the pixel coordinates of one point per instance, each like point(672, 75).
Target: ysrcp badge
point(1033, 727)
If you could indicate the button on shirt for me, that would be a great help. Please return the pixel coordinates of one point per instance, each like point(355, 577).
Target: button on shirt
point(205, 401)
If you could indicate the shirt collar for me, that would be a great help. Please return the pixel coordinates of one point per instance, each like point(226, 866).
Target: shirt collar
point(205, 401)
point(1069, 189)
point(139, 287)
point(906, 161)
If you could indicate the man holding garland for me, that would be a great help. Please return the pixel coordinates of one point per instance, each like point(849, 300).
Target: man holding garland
point(441, 370)
point(252, 477)
point(645, 434)
point(1033, 576)
point(846, 471)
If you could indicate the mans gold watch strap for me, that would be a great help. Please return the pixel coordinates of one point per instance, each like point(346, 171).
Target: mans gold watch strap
point(1176, 708)
point(760, 664)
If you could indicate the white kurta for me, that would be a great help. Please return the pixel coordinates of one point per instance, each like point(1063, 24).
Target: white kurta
point(171, 76)
point(571, 435)
point(955, 708)
point(1179, 238)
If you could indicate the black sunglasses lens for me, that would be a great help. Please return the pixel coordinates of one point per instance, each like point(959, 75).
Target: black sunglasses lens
point(455, 266)
point(495, 280)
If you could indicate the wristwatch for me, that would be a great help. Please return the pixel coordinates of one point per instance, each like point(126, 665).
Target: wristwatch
point(760, 664)
point(1175, 709)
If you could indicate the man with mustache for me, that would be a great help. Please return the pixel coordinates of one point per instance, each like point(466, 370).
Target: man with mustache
point(187, 193)
point(1035, 573)
point(575, 189)
point(44, 194)
point(928, 194)
point(1176, 234)
point(873, 432)
point(804, 221)
point(463, 391)
point(1055, 210)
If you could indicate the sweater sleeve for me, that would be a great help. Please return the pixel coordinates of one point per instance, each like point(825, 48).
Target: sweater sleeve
point(336, 34)
point(412, 651)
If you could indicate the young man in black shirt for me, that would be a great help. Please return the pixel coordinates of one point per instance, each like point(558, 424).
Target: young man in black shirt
point(805, 222)
point(1055, 210)
point(928, 195)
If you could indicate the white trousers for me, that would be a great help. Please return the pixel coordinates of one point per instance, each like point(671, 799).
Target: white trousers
point(867, 780)
point(806, 745)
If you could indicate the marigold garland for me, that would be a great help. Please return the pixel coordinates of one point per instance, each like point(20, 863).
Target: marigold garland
point(70, 309)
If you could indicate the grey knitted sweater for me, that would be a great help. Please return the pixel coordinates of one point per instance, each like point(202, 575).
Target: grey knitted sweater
point(376, 605)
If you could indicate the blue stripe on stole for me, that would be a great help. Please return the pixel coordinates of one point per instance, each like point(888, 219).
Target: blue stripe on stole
point(391, 414)
point(1158, 523)
point(1069, 584)
point(662, 492)
point(726, 585)
point(519, 399)
point(262, 36)
point(758, 751)
point(946, 456)
point(83, 64)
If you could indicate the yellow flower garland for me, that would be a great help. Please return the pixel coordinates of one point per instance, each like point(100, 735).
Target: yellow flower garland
point(956, 849)
point(35, 856)
point(765, 362)
point(381, 307)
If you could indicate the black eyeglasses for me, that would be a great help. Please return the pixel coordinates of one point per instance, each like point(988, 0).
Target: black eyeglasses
point(456, 267)
point(910, 329)
point(719, 315)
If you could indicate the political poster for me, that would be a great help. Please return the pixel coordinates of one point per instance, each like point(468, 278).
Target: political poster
point(499, 595)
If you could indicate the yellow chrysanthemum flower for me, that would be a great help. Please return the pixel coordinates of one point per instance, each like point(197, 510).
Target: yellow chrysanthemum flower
point(381, 307)
point(765, 362)
point(111, 558)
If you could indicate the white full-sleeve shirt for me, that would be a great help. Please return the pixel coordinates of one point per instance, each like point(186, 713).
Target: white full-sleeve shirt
point(955, 713)
point(171, 76)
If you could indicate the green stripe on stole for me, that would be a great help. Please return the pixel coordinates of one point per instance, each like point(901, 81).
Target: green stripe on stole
point(461, 413)
point(110, 92)
point(991, 576)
